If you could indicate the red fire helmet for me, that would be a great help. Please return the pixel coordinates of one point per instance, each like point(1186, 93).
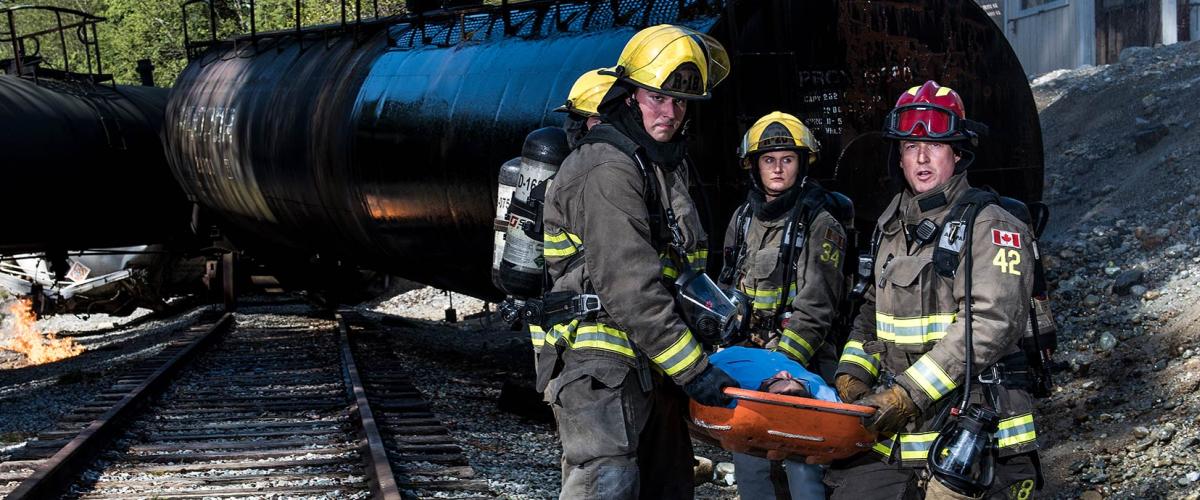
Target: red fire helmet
point(930, 112)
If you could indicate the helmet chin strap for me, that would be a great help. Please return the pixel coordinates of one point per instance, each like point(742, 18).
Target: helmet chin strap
point(967, 158)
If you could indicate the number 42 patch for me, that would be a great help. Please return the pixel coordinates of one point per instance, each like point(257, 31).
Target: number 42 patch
point(1007, 259)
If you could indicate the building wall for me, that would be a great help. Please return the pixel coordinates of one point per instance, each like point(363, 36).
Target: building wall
point(1194, 20)
point(1063, 33)
point(1058, 34)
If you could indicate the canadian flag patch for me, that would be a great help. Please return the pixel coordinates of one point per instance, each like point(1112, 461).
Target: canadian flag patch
point(1006, 239)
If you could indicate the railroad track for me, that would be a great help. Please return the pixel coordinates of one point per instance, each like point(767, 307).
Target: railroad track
point(291, 407)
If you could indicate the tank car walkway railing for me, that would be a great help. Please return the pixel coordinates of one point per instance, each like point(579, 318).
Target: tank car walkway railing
point(447, 23)
point(26, 48)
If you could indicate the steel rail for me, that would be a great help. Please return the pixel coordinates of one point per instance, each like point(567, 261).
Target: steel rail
point(379, 470)
point(52, 478)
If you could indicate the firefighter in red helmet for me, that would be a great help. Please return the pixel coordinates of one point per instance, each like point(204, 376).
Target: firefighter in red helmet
point(952, 277)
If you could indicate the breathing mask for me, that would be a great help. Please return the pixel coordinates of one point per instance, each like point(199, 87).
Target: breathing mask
point(714, 315)
point(963, 456)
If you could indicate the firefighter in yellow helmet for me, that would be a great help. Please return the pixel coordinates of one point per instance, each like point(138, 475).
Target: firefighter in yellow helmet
point(583, 103)
point(784, 250)
point(617, 358)
point(953, 276)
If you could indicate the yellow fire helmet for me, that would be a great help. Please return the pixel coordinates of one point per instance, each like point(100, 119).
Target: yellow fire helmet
point(778, 131)
point(673, 60)
point(587, 92)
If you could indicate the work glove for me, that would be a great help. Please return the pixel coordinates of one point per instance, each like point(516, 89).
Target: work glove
point(895, 409)
point(708, 388)
point(850, 388)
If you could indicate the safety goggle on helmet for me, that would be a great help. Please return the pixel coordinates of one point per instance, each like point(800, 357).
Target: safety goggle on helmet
point(929, 112)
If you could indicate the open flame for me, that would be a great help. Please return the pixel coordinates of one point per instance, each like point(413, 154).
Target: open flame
point(22, 336)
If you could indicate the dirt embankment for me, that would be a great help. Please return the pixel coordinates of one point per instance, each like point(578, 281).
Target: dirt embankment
point(1122, 147)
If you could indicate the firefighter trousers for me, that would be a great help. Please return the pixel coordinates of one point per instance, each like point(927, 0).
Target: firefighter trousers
point(620, 441)
point(868, 477)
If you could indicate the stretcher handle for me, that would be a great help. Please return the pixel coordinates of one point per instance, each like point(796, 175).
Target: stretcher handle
point(799, 402)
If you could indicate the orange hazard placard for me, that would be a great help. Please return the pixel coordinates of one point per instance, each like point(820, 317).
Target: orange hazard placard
point(775, 426)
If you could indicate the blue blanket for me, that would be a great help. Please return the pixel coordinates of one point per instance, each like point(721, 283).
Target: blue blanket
point(751, 366)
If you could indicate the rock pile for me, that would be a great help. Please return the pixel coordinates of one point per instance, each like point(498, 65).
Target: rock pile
point(1123, 263)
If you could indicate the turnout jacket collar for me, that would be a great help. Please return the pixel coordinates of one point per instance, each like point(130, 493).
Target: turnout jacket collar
point(777, 210)
point(910, 209)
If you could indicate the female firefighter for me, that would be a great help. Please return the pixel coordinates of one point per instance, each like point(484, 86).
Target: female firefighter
point(784, 250)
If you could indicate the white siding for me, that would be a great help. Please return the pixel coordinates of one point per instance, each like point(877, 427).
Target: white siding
point(1054, 38)
point(1170, 26)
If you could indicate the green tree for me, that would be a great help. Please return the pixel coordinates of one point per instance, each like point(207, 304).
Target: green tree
point(143, 29)
point(153, 29)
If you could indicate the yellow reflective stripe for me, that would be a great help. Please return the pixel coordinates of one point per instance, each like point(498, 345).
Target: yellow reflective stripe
point(884, 447)
point(912, 331)
point(537, 336)
point(698, 259)
point(591, 336)
point(854, 353)
point(668, 267)
point(916, 446)
point(563, 244)
point(932, 379)
point(561, 238)
point(603, 337)
point(795, 345)
point(1016, 431)
point(561, 331)
point(766, 298)
point(680, 356)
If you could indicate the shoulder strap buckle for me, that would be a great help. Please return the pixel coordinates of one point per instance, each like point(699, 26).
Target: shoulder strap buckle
point(586, 303)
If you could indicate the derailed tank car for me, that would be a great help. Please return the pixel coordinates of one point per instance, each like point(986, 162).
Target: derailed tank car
point(82, 162)
point(83, 167)
point(380, 142)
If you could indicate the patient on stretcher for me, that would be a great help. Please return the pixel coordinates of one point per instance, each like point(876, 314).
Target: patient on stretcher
point(770, 371)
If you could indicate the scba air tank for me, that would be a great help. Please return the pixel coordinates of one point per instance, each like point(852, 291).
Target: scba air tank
point(510, 178)
point(521, 267)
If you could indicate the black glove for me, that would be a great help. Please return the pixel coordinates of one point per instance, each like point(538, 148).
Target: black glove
point(708, 388)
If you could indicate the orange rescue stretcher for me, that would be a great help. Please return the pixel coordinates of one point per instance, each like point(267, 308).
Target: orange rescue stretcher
point(776, 427)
